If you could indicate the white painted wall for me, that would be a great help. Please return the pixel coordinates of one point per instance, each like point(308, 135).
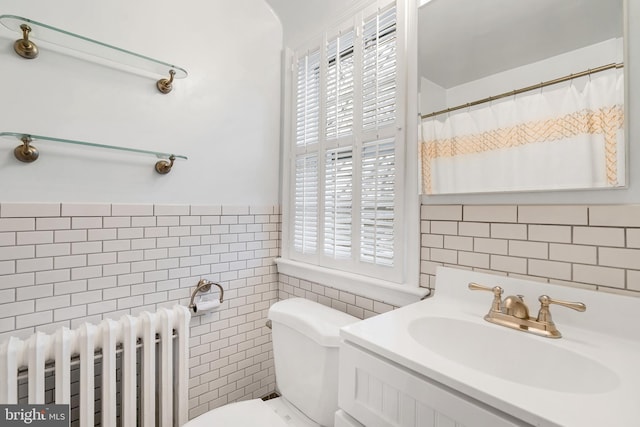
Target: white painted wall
point(224, 116)
point(432, 97)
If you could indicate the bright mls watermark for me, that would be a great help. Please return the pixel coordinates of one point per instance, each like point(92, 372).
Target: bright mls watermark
point(34, 415)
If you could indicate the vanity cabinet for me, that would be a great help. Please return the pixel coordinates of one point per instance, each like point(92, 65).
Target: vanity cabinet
point(377, 392)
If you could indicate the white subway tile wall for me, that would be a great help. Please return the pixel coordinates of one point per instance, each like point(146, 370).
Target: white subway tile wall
point(355, 305)
point(588, 246)
point(65, 264)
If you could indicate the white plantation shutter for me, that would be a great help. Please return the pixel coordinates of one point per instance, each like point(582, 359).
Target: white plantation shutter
point(306, 203)
point(379, 70)
point(345, 208)
point(340, 85)
point(377, 209)
point(308, 99)
point(305, 235)
point(338, 201)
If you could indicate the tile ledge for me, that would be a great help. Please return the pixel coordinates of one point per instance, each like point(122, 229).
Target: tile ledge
point(376, 289)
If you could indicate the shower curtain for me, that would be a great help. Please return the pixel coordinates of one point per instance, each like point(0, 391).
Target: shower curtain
point(565, 136)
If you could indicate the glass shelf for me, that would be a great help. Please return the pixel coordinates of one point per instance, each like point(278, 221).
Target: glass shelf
point(76, 42)
point(159, 155)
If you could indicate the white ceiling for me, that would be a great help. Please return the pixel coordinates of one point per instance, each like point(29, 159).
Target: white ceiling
point(464, 40)
point(302, 19)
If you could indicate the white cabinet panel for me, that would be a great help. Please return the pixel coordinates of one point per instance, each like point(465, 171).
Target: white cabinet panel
point(380, 394)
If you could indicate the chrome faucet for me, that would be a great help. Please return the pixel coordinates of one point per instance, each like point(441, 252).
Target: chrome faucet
point(514, 313)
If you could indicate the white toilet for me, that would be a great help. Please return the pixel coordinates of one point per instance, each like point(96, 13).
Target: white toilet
point(305, 350)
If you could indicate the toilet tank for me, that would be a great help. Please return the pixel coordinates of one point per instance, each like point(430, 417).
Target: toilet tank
point(306, 338)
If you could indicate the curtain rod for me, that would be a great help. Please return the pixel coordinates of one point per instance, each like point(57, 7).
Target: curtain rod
point(524, 89)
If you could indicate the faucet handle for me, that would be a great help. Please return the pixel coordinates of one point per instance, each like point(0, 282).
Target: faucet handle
point(544, 315)
point(497, 294)
point(477, 287)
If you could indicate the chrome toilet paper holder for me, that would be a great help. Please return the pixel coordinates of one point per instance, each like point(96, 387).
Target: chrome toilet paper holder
point(204, 286)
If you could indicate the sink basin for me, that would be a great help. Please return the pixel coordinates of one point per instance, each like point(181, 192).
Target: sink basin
point(513, 356)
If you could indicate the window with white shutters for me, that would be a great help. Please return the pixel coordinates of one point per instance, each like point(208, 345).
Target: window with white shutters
point(344, 206)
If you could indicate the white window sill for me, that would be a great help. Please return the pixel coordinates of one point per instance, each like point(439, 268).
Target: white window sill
point(369, 287)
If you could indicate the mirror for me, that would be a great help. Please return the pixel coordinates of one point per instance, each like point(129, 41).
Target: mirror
point(481, 133)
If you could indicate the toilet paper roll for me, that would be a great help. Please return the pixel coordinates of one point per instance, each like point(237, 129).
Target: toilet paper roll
point(206, 305)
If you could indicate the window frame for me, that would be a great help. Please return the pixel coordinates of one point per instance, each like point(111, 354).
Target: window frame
point(406, 215)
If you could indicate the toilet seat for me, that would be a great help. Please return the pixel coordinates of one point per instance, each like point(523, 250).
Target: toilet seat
point(252, 413)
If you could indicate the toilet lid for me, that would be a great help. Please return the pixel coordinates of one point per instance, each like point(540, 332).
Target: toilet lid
point(250, 413)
